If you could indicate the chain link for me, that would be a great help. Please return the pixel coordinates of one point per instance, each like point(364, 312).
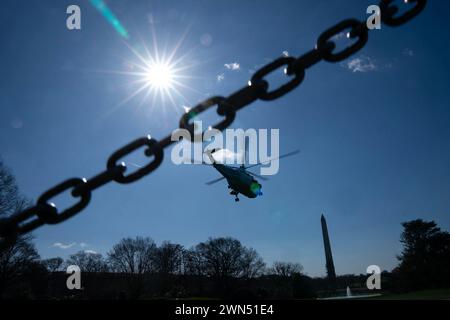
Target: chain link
point(299, 74)
point(154, 149)
point(358, 29)
point(223, 109)
point(45, 212)
point(389, 10)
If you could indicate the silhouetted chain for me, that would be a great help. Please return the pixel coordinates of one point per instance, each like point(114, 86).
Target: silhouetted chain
point(44, 212)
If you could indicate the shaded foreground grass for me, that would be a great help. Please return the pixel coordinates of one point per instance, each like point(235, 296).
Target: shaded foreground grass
point(435, 294)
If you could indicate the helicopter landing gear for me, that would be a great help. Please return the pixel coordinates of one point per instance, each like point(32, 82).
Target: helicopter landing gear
point(235, 193)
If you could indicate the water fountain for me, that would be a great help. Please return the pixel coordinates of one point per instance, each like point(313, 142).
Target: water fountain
point(349, 292)
point(350, 295)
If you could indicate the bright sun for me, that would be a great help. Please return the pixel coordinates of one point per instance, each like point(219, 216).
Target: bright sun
point(159, 76)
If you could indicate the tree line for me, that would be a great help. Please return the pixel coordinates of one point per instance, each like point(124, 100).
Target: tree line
point(216, 267)
point(218, 258)
point(222, 260)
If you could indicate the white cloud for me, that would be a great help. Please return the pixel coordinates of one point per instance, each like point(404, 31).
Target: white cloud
point(285, 53)
point(220, 77)
point(63, 246)
point(90, 251)
point(361, 64)
point(225, 155)
point(340, 35)
point(234, 66)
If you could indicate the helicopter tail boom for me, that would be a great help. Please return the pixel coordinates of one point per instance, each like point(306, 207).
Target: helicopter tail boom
point(209, 153)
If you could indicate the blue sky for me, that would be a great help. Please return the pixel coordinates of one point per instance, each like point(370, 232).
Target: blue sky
point(374, 130)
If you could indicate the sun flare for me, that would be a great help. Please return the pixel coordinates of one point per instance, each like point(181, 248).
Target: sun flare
point(160, 76)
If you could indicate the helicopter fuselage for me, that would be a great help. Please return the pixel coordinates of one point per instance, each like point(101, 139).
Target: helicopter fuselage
point(239, 180)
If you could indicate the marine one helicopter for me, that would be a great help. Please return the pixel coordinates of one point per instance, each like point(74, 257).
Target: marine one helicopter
point(240, 180)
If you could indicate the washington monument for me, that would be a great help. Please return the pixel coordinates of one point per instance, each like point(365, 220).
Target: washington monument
point(328, 256)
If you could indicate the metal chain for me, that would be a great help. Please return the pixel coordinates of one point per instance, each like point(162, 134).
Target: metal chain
point(44, 212)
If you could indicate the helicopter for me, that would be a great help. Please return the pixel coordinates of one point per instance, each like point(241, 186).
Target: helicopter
point(240, 180)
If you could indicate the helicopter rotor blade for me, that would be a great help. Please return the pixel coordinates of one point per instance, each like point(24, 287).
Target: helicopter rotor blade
point(280, 157)
point(214, 181)
point(135, 165)
point(195, 161)
point(257, 176)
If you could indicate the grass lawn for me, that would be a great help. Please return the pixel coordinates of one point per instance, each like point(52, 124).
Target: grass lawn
point(435, 294)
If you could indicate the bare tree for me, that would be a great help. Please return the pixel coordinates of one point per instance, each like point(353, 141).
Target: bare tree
point(286, 269)
point(227, 257)
point(16, 256)
point(11, 201)
point(88, 261)
point(136, 258)
point(168, 261)
point(9, 192)
point(168, 258)
point(133, 255)
point(16, 260)
point(53, 264)
point(221, 257)
point(192, 263)
point(252, 263)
